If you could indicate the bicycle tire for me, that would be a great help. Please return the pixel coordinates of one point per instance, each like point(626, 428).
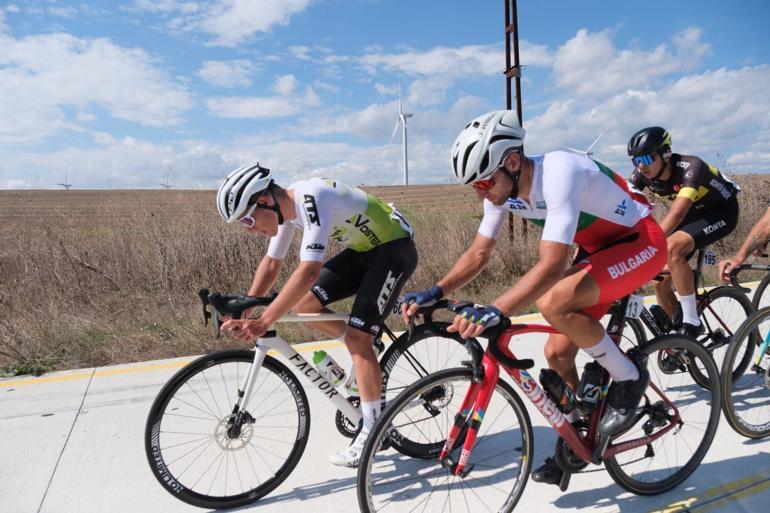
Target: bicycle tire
point(716, 340)
point(736, 391)
point(413, 471)
point(200, 396)
point(656, 411)
point(408, 359)
point(636, 338)
point(760, 299)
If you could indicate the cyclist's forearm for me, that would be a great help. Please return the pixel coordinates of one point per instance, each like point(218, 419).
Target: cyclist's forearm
point(298, 284)
point(264, 278)
point(467, 267)
point(757, 238)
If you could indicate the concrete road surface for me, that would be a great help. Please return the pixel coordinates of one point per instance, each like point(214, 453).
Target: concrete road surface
point(73, 442)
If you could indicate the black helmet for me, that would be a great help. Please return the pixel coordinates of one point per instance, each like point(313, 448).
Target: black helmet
point(648, 140)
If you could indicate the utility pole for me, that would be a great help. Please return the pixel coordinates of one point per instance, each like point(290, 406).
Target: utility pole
point(512, 72)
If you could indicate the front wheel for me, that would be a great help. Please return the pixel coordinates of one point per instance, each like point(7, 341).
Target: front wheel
point(499, 463)
point(722, 311)
point(207, 453)
point(761, 297)
point(746, 399)
point(675, 403)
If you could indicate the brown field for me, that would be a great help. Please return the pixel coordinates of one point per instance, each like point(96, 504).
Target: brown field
point(97, 277)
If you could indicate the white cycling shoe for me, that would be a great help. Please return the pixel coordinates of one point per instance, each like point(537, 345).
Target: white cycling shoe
point(351, 455)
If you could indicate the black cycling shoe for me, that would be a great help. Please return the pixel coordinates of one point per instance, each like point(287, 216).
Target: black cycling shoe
point(623, 398)
point(691, 330)
point(548, 473)
point(661, 318)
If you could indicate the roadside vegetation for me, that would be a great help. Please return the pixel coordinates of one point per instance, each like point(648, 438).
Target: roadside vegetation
point(90, 278)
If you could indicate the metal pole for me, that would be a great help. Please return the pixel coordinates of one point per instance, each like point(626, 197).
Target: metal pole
point(406, 161)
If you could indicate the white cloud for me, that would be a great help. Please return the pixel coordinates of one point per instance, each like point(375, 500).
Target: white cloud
point(43, 76)
point(235, 73)
point(589, 64)
point(228, 22)
point(286, 103)
point(385, 90)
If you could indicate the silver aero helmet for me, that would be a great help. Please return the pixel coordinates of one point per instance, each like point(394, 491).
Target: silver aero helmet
point(483, 144)
point(239, 187)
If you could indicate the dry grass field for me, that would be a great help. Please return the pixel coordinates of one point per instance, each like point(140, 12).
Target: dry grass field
point(98, 277)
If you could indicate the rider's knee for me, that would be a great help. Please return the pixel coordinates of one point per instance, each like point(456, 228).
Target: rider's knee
point(358, 342)
point(308, 304)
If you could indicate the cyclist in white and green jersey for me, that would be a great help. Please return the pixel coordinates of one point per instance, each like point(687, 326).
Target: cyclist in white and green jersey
point(379, 257)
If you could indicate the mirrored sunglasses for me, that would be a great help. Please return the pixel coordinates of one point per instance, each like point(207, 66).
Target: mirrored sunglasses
point(643, 160)
point(247, 220)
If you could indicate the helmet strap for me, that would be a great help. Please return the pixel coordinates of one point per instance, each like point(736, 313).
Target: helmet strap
point(514, 178)
point(275, 207)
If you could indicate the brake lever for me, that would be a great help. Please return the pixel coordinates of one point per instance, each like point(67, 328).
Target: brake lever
point(217, 325)
point(735, 283)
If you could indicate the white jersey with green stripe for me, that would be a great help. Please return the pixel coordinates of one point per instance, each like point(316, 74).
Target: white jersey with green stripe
point(329, 209)
point(574, 199)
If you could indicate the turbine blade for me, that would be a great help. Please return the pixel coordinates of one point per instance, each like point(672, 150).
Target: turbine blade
point(395, 128)
point(595, 141)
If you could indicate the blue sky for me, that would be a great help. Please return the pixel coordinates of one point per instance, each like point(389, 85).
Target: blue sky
point(129, 94)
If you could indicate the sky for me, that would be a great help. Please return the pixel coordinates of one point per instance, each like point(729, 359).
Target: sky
point(139, 93)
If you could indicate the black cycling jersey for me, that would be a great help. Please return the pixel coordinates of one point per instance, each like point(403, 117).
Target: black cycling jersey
point(692, 178)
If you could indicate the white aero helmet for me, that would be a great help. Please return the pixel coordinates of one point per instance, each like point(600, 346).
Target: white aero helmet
point(239, 187)
point(483, 144)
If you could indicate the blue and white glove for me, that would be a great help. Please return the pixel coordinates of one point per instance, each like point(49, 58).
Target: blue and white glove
point(422, 297)
point(481, 315)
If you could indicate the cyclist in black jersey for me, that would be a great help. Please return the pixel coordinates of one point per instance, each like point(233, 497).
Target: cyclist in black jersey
point(704, 209)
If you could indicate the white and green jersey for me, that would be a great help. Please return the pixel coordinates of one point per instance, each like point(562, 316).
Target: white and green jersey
point(329, 209)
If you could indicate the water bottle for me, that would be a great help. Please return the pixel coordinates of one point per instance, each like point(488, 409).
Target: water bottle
point(328, 368)
point(590, 388)
point(557, 390)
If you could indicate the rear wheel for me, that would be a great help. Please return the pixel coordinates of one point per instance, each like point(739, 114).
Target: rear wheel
point(207, 455)
point(762, 294)
point(663, 463)
point(746, 399)
point(722, 311)
point(500, 461)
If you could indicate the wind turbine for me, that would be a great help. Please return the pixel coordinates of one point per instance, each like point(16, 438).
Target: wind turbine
point(402, 117)
point(587, 152)
point(166, 176)
point(66, 183)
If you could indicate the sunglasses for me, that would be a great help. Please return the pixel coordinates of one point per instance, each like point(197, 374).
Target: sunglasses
point(483, 185)
point(643, 160)
point(247, 220)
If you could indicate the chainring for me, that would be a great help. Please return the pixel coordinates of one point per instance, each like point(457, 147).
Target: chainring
point(565, 457)
point(344, 425)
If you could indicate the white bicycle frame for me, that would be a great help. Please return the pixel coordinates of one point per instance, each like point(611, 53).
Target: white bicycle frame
point(274, 342)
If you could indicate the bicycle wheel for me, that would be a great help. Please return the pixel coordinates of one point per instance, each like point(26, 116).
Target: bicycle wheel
point(762, 294)
point(633, 334)
point(746, 399)
point(204, 454)
point(722, 311)
point(408, 359)
point(501, 457)
point(668, 460)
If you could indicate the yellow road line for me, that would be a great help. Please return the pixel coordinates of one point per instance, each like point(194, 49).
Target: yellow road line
point(720, 496)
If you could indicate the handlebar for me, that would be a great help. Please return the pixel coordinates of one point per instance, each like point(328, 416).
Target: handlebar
point(232, 305)
point(745, 267)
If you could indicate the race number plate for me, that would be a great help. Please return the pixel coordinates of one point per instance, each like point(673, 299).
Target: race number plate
point(634, 307)
point(709, 257)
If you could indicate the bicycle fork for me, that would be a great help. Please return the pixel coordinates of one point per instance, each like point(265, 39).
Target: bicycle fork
point(239, 414)
point(468, 421)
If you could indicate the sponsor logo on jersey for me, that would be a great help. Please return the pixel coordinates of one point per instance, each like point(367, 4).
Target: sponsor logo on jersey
point(719, 186)
point(683, 164)
point(311, 210)
point(541, 205)
point(315, 247)
point(374, 330)
point(357, 322)
point(516, 204)
point(620, 210)
point(386, 291)
point(628, 265)
point(362, 223)
point(714, 227)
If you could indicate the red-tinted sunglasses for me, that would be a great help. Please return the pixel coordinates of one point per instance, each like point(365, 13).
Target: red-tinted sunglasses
point(247, 220)
point(483, 185)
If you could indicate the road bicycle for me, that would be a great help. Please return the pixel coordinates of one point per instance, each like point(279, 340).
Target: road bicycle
point(761, 297)
point(230, 426)
point(746, 398)
point(721, 309)
point(483, 442)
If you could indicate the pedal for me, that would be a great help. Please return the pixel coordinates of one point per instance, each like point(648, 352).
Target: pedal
point(564, 482)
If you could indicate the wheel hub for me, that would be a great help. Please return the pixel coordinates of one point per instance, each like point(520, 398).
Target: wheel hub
point(234, 432)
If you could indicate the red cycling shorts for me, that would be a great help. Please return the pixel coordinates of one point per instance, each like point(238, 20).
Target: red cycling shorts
point(625, 264)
